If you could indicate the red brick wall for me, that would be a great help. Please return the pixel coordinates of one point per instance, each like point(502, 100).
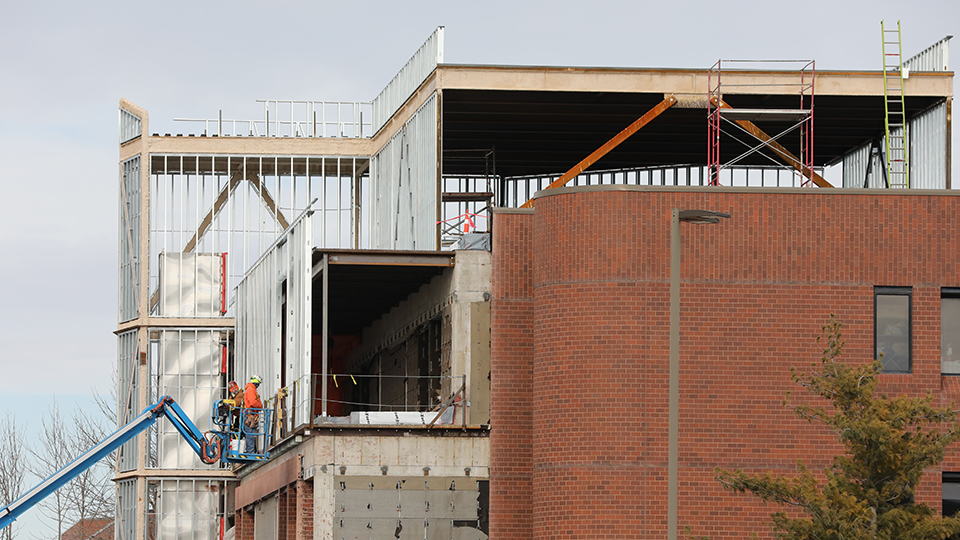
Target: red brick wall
point(511, 390)
point(287, 513)
point(304, 504)
point(582, 451)
point(295, 511)
point(244, 525)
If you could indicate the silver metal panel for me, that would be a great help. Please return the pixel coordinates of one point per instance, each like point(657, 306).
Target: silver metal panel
point(928, 148)
point(265, 519)
point(416, 70)
point(188, 510)
point(404, 186)
point(126, 523)
point(934, 58)
point(128, 386)
point(190, 284)
point(129, 256)
point(299, 316)
point(190, 374)
point(855, 165)
point(260, 296)
point(130, 126)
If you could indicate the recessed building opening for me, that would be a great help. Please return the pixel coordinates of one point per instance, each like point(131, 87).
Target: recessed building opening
point(388, 340)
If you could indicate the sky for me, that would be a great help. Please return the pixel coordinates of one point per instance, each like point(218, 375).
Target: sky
point(65, 65)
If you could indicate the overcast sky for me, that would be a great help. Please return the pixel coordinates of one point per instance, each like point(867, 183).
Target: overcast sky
point(65, 65)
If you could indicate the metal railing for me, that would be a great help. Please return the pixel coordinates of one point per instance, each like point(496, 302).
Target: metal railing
point(297, 119)
point(367, 400)
point(519, 189)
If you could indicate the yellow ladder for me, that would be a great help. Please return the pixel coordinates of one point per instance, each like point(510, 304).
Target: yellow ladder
point(895, 115)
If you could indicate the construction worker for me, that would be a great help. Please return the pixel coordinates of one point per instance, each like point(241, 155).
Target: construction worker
point(235, 399)
point(251, 424)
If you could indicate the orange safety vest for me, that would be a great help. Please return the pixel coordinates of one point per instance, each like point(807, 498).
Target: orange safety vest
point(251, 399)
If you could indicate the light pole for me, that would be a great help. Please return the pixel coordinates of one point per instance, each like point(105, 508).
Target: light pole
point(690, 216)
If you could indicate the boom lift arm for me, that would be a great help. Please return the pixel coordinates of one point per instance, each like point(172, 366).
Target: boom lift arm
point(209, 448)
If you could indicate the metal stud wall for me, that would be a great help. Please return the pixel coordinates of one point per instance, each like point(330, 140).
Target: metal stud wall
point(934, 58)
point(130, 126)
point(928, 154)
point(186, 509)
point(283, 273)
point(128, 390)
point(404, 186)
point(928, 148)
point(126, 510)
point(129, 256)
point(416, 70)
point(188, 370)
point(239, 205)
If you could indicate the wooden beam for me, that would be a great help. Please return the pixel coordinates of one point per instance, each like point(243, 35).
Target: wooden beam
point(668, 102)
point(777, 148)
point(207, 220)
point(271, 205)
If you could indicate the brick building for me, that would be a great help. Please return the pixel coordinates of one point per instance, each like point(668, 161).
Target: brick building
point(580, 347)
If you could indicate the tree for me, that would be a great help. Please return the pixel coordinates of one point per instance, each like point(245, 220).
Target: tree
point(51, 452)
point(90, 493)
point(868, 491)
point(12, 464)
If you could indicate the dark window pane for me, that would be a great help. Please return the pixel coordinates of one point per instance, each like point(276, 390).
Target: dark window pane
point(951, 498)
point(893, 331)
point(950, 336)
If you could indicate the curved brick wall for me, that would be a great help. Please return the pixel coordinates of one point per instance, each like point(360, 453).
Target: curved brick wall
point(580, 346)
point(592, 314)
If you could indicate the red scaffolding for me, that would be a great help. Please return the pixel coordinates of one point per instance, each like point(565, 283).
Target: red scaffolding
point(736, 125)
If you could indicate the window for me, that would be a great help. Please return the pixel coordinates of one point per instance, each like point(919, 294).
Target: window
point(951, 493)
point(950, 331)
point(892, 308)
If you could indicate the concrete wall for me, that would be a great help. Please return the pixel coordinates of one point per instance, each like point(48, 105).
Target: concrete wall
point(580, 346)
point(304, 486)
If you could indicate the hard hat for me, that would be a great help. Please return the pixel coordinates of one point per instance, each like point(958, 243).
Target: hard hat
point(233, 386)
point(255, 379)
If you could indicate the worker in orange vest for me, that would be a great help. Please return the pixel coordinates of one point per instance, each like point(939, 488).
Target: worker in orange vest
point(251, 424)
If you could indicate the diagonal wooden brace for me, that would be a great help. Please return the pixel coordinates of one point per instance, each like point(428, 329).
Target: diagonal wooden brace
point(668, 102)
point(777, 148)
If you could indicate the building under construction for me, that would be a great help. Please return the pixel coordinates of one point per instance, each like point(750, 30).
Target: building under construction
point(459, 294)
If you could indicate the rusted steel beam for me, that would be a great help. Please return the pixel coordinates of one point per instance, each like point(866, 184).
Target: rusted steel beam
point(777, 148)
point(668, 102)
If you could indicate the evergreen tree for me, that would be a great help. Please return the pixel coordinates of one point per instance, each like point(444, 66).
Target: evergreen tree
point(869, 490)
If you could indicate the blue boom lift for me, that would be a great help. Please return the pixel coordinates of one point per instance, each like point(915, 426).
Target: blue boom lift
point(213, 447)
